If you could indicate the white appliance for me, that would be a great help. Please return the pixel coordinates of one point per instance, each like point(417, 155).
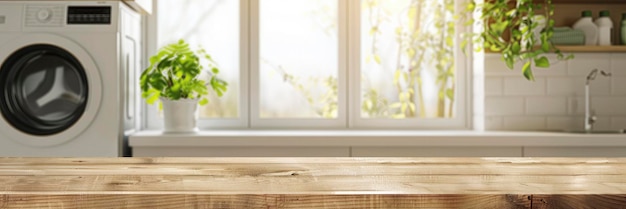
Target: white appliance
point(68, 72)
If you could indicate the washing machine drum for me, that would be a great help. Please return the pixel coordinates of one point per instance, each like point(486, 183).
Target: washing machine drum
point(44, 90)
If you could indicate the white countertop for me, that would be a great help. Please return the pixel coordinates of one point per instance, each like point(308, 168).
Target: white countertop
point(364, 138)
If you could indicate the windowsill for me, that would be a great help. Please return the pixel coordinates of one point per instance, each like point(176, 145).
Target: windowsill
point(365, 138)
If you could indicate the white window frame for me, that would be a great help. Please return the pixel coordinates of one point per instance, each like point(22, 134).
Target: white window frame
point(289, 123)
point(151, 118)
point(349, 110)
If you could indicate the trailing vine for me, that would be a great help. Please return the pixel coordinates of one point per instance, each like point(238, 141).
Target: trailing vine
point(508, 27)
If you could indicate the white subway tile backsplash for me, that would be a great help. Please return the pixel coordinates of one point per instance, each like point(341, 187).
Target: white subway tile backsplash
point(555, 100)
point(546, 106)
point(493, 86)
point(583, 63)
point(493, 123)
point(576, 106)
point(600, 86)
point(524, 123)
point(618, 123)
point(602, 123)
point(575, 123)
point(501, 106)
point(495, 66)
point(604, 105)
point(618, 64)
point(557, 67)
point(563, 86)
point(618, 85)
point(609, 106)
point(566, 123)
point(520, 86)
point(575, 86)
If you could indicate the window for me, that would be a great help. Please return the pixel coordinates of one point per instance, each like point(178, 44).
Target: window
point(298, 79)
point(298, 65)
point(327, 63)
point(411, 72)
point(215, 26)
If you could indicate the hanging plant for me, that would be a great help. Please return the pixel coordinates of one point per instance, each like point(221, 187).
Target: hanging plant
point(508, 28)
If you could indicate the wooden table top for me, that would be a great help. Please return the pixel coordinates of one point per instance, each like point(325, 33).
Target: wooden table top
point(312, 177)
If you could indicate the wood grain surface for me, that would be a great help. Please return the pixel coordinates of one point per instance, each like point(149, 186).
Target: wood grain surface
point(312, 182)
point(267, 201)
point(578, 201)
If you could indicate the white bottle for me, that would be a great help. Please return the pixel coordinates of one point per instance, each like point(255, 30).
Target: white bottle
point(605, 28)
point(588, 27)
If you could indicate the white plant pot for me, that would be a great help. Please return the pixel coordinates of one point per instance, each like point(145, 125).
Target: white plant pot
point(180, 115)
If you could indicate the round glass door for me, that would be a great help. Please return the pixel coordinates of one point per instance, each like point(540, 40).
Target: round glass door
point(44, 90)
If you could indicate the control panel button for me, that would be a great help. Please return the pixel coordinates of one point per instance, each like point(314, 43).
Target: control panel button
point(44, 15)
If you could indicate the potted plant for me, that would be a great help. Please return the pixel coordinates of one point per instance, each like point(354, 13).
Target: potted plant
point(510, 27)
point(173, 77)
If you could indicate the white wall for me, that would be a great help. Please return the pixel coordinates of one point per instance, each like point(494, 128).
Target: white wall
point(555, 100)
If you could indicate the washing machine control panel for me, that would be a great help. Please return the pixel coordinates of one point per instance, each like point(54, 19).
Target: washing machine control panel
point(88, 15)
point(44, 15)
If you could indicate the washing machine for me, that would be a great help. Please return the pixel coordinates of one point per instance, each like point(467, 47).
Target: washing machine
point(68, 78)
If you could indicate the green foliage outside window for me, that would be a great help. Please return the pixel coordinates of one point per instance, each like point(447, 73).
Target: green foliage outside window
point(425, 40)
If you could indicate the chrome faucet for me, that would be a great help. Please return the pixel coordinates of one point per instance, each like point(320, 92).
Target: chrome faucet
point(590, 117)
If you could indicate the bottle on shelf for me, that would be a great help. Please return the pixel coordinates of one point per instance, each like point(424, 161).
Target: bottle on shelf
point(623, 27)
point(605, 28)
point(585, 24)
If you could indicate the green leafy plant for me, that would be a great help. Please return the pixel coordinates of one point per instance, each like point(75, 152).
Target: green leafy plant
point(174, 74)
point(508, 29)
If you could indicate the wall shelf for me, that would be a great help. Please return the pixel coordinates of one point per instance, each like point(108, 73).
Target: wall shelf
point(586, 1)
point(596, 49)
point(567, 12)
point(585, 49)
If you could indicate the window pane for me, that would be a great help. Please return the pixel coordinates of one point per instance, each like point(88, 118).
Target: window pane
point(407, 59)
point(214, 26)
point(298, 58)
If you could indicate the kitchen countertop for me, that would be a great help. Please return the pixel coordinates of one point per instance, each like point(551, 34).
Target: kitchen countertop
point(365, 138)
point(312, 182)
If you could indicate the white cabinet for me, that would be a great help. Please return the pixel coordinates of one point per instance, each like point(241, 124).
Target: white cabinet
point(262, 143)
point(240, 151)
point(396, 151)
point(428, 151)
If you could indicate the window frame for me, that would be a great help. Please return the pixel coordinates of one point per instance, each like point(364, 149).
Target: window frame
point(298, 123)
point(349, 110)
point(151, 117)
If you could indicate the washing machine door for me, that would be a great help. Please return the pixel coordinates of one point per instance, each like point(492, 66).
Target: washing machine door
point(50, 90)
